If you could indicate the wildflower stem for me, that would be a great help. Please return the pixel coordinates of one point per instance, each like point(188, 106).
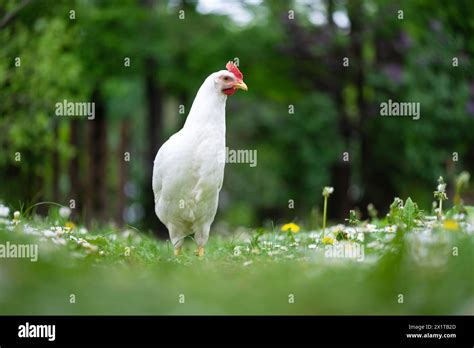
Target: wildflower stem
point(324, 214)
point(440, 212)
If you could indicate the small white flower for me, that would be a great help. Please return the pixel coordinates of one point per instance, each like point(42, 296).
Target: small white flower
point(82, 230)
point(312, 246)
point(360, 237)
point(327, 190)
point(237, 251)
point(90, 246)
point(59, 231)
point(350, 231)
point(49, 234)
point(127, 233)
point(391, 229)
point(16, 215)
point(30, 230)
point(371, 228)
point(59, 241)
point(4, 210)
point(64, 212)
point(469, 228)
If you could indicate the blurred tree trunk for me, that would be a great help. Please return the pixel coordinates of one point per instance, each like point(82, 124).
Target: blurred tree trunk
point(76, 185)
point(55, 165)
point(356, 16)
point(341, 171)
point(9, 17)
point(96, 192)
point(154, 125)
point(123, 170)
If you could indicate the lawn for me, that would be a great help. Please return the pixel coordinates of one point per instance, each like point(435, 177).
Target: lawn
point(406, 263)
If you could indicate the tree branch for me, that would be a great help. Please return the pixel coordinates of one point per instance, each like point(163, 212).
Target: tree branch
point(8, 17)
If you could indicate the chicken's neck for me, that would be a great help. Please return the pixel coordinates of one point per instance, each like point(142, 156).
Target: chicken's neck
point(208, 109)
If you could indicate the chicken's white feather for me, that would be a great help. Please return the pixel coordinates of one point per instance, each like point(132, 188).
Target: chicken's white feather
point(189, 168)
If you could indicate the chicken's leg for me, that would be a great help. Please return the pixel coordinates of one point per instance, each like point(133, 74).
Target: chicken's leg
point(177, 251)
point(200, 251)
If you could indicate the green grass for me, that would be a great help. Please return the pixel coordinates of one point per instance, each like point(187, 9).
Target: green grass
point(255, 273)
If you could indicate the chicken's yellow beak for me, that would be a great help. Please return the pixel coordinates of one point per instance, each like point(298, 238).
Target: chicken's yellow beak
point(241, 85)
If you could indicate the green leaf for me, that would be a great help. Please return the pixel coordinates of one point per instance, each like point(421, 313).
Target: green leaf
point(409, 213)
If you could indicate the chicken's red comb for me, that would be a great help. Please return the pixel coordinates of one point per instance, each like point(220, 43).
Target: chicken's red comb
point(234, 70)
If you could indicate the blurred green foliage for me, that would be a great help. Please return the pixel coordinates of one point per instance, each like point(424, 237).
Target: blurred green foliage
point(286, 62)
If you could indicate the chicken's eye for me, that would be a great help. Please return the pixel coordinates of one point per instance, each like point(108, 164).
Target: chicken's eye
point(226, 78)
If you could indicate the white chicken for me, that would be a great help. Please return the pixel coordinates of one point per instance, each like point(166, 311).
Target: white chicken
point(189, 168)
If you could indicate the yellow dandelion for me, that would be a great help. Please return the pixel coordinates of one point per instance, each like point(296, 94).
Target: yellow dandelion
point(450, 225)
point(291, 227)
point(71, 225)
point(328, 240)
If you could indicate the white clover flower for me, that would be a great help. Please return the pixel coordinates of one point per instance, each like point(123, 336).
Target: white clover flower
point(4, 210)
